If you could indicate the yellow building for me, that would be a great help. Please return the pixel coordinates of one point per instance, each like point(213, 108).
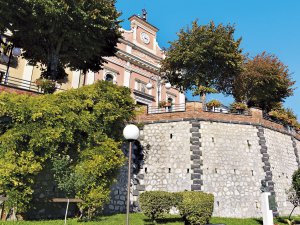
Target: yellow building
point(136, 64)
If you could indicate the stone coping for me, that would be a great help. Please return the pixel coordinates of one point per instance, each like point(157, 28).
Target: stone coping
point(255, 119)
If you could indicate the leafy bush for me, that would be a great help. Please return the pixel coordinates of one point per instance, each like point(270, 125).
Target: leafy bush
point(48, 86)
point(286, 116)
point(196, 208)
point(238, 106)
point(78, 131)
point(296, 181)
point(213, 103)
point(155, 204)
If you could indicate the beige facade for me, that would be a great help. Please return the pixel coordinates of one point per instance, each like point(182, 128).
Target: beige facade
point(137, 62)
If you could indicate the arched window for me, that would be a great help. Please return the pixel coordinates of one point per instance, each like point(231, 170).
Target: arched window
point(170, 100)
point(109, 77)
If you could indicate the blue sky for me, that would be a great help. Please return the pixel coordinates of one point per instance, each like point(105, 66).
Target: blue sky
point(265, 25)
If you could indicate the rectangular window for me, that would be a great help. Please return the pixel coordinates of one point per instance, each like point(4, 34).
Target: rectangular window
point(141, 86)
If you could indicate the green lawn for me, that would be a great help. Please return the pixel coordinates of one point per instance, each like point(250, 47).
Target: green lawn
point(136, 219)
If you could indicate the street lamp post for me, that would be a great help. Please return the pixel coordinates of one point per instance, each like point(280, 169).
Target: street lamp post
point(11, 51)
point(159, 82)
point(130, 133)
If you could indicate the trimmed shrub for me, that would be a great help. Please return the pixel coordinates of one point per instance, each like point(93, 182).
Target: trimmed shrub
point(196, 208)
point(238, 107)
point(155, 204)
point(213, 104)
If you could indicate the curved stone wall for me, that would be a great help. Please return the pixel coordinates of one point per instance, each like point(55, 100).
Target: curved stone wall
point(234, 161)
point(232, 156)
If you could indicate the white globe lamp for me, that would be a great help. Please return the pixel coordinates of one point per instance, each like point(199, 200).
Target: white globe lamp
point(149, 86)
point(16, 52)
point(131, 132)
point(168, 85)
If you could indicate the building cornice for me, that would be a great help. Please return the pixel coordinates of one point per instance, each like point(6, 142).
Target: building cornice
point(140, 49)
point(128, 67)
point(137, 61)
point(143, 22)
point(144, 95)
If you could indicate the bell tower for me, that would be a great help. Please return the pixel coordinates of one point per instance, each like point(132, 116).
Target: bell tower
point(144, 33)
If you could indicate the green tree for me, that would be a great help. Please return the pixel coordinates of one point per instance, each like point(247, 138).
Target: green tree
point(61, 33)
point(205, 58)
point(78, 131)
point(264, 82)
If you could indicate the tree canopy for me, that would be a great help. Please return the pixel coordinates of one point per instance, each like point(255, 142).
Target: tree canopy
point(78, 132)
point(205, 56)
point(264, 82)
point(62, 33)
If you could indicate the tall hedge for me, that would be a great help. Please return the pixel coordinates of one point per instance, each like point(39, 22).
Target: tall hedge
point(78, 131)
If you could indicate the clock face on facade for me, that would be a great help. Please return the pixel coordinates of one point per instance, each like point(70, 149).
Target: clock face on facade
point(145, 38)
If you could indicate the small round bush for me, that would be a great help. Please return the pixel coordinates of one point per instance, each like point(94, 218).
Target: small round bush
point(196, 208)
point(155, 204)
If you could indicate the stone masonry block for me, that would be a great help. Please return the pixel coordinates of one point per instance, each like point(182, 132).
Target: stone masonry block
point(268, 178)
point(198, 135)
point(196, 187)
point(260, 142)
point(194, 139)
point(197, 143)
point(269, 173)
point(197, 152)
point(195, 166)
point(267, 168)
point(198, 171)
point(264, 147)
point(195, 157)
point(263, 151)
point(260, 134)
point(194, 148)
point(198, 182)
point(195, 176)
point(265, 159)
point(196, 124)
point(194, 129)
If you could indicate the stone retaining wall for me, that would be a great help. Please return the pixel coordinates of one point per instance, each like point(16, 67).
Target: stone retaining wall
point(232, 156)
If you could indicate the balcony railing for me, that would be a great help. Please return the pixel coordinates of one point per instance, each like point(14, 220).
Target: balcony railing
point(19, 83)
point(166, 109)
point(22, 84)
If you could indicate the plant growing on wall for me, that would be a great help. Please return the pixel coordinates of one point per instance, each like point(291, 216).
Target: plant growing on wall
point(78, 131)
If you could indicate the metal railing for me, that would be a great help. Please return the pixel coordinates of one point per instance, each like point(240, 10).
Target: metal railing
point(245, 112)
point(19, 83)
point(22, 84)
point(166, 109)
